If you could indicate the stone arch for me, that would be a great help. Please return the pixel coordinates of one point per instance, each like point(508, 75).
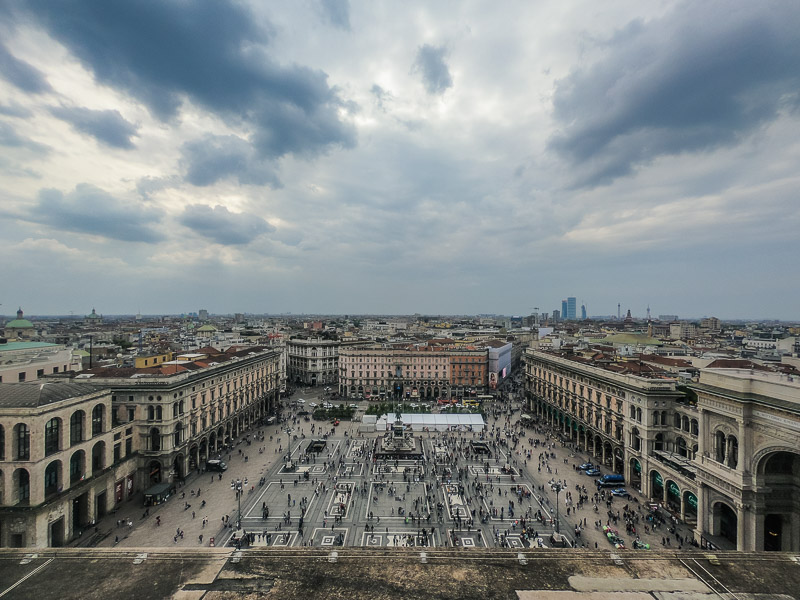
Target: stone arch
point(724, 522)
point(673, 496)
point(21, 482)
point(98, 457)
point(778, 473)
point(178, 467)
point(656, 485)
point(155, 439)
point(53, 432)
point(98, 419)
point(77, 427)
point(77, 466)
point(689, 507)
point(52, 478)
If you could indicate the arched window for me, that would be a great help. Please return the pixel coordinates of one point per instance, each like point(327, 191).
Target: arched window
point(2, 445)
point(155, 439)
point(76, 466)
point(22, 442)
point(677, 421)
point(174, 409)
point(659, 441)
point(685, 423)
point(22, 482)
point(181, 407)
point(680, 447)
point(732, 452)
point(98, 457)
point(151, 413)
point(695, 429)
point(719, 447)
point(639, 415)
point(51, 477)
point(98, 412)
point(76, 427)
point(52, 433)
point(177, 435)
point(159, 414)
point(636, 440)
point(655, 417)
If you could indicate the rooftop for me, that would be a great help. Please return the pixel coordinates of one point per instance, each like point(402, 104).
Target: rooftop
point(10, 346)
point(38, 393)
point(356, 573)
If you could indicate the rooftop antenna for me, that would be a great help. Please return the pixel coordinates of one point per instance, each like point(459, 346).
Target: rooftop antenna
point(619, 313)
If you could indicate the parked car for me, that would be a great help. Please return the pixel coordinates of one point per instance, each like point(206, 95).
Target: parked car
point(354, 406)
point(312, 404)
point(586, 466)
point(593, 472)
point(621, 492)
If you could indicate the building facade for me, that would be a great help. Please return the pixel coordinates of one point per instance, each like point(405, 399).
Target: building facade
point(619, 418)
point(394, 372)
point(314, 362)
point(64, 461)
point(469, 371)
point(183, 414)
point(722, 454)
point(748, 462)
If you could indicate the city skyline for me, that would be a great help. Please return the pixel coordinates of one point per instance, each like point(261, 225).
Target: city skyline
point(352, 158)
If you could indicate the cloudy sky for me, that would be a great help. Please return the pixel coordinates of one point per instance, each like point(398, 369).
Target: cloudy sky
point(384, 157)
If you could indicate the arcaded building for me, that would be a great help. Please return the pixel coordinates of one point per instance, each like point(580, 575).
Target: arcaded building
point(64, 461)
point(186, 411)
point(748, 463)
point(722, 454)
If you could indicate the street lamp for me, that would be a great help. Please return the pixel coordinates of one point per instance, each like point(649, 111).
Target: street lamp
point(557, 487)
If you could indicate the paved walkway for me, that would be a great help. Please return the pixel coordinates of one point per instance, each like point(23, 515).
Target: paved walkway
point(129, 527)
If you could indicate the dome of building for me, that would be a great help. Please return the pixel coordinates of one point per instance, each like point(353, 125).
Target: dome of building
point(19, 322)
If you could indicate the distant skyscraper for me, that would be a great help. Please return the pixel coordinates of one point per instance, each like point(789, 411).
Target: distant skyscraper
point(564, 311)
point(203, 314)
point(583, 312)
point(572, 309)
point(556, 316)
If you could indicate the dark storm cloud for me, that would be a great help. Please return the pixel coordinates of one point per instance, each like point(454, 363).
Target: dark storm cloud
point(11, 139)
point(215, 157)
point(222, 226)
point(88, 209)
point(209, 52)
point(701, 77)
point(430, 64)
point(336, 12)
point(106, 126)
point(21, 74)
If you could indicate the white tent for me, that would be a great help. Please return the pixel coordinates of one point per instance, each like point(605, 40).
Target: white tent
point(438, 422)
